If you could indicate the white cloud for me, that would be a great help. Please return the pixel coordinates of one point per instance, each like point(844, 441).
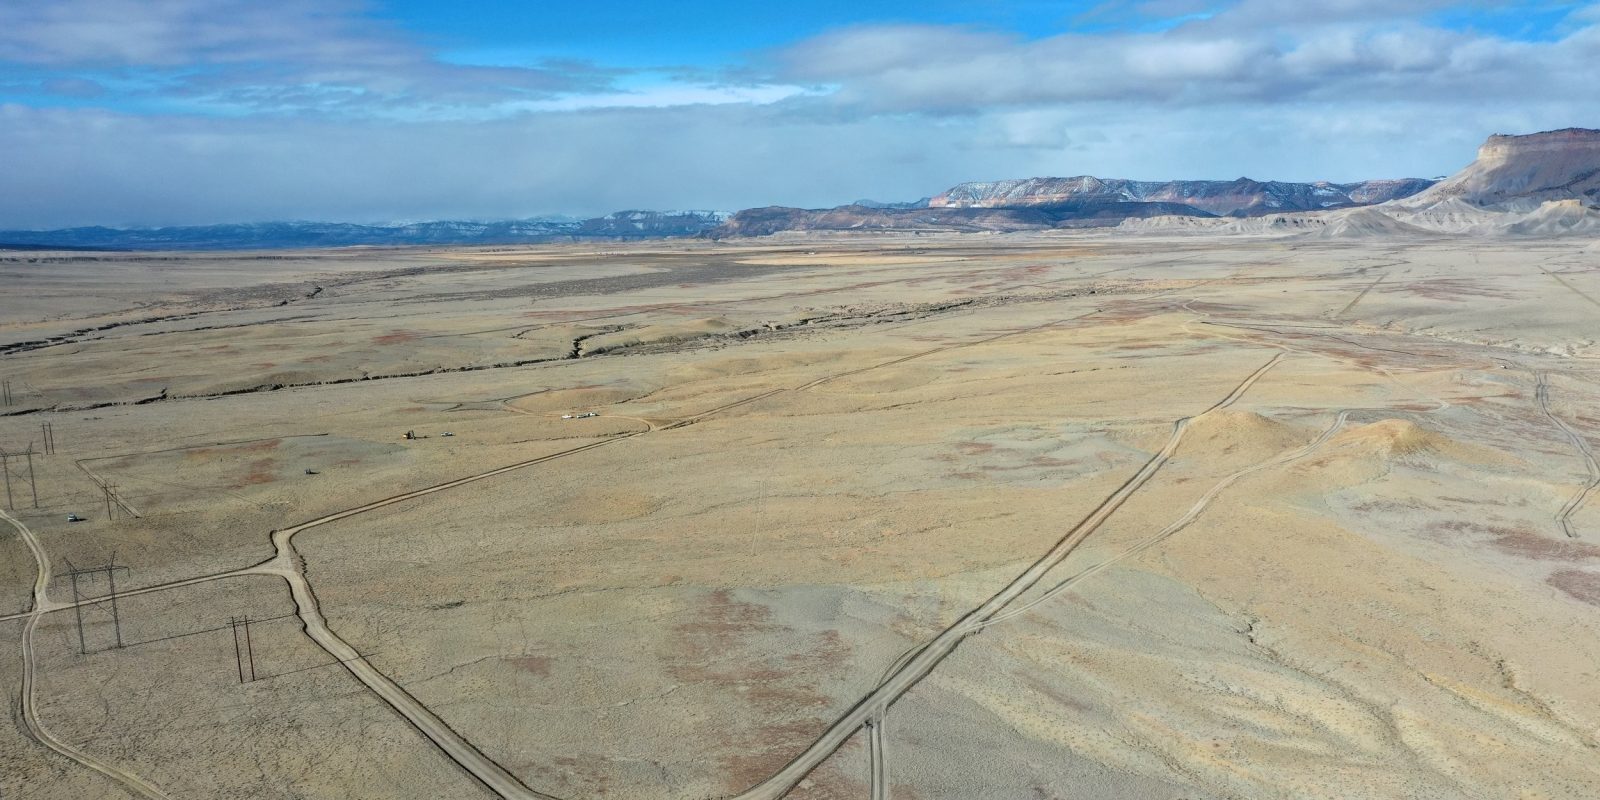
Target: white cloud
point(1270, 51)
point(89, 167)
point(184, 32)
point(665, 95)
point(320, 56)
point(362, 124)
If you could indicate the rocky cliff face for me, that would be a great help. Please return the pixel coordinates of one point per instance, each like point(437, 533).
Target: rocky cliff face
point(1538, 185)
point(1240, 198)
point(1517, 173)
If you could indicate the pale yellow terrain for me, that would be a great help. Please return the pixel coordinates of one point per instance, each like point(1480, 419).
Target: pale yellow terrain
point(1316, 519)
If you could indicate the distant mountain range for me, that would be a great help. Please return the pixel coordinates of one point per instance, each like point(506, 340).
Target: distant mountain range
point(923, 203)
point(274, 235)
point(1239, 198)
point(778, 219)
point(1537, 184)
point(1083, 201)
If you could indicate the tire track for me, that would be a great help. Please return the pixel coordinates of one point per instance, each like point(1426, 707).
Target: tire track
point(1182, 522)
point(1358, 298)
point(289, 565)
point(1564, 516)
point(879, 765)
point(918, 663)
point(1575, 290)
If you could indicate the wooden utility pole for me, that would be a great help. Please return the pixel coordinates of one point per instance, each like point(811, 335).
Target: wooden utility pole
point(243, 651)
point(238, 661)
point(32, 484)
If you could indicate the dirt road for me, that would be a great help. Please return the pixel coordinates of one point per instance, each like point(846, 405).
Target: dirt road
point(30, 710)
point(922, 661)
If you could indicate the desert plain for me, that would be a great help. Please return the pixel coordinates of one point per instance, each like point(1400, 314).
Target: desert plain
point(1076, 515)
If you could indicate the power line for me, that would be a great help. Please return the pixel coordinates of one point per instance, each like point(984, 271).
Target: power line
point(5, 467)
point(74, 574)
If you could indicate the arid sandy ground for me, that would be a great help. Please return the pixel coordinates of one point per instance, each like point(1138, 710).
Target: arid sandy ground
point(1331, 499)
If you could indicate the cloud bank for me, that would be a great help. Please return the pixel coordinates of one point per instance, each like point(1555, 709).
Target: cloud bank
point(176, 111)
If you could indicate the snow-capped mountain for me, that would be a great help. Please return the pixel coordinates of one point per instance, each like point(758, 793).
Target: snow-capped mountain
point(1239, 198)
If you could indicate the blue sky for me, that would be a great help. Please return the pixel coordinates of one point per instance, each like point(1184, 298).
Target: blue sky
point(129, 112)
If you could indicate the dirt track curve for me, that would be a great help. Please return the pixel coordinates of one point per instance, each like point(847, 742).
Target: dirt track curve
point(30, 709)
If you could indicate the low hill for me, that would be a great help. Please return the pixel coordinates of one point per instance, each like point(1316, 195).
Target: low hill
point(778, 219)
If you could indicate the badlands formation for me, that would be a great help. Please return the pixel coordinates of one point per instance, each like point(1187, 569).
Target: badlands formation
point(1129, 513)
point(1539, 185)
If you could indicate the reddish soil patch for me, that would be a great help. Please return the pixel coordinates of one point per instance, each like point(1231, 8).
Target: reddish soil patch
point(533, 665)
point(975, 448)
point(827, 782)
point(587, 771)
point(262, 470)
point(1380, 506)
point(1519, 541)
point(1116, 316)
point(1047, 690)
point(396, 337)
point(1580, 585)
point(730, 644)
point(1036, 462)
point(1030, 271)
point(722, 623)
point(233, 450)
